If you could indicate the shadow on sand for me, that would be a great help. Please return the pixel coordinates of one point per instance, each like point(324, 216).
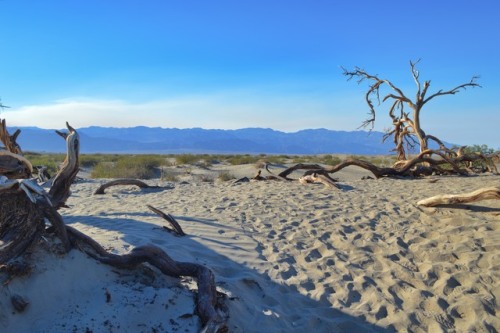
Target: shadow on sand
point(256, 302)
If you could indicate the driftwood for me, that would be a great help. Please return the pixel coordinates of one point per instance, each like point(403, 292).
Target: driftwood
point(24, 208)
point(125, 181)
point(176, 228)
point(259, 176)
point(485, 193)
point(318, 178)
point(421, 165)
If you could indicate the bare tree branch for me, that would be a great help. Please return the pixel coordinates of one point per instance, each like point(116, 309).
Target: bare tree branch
point(407, 126)
point(453, 91)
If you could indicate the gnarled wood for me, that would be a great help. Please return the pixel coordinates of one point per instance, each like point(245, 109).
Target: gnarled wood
point(404, 112)
point(14, 166)
point(259, 176)
point(212, 320)
point(60, 189)
point(318, 178)
point(486, 193)
point(170, 219)
point(421, 165)
point(9, 140)
point(125, 181)
point(22, 224)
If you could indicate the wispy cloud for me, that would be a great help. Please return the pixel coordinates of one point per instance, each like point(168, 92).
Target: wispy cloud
point(240, 110)
point(216, 111)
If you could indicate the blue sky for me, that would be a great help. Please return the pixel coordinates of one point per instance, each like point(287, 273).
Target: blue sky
point(235, 64)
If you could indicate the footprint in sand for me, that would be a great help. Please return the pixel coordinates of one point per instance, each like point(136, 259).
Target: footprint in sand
point(291, 272)
point(313, 255)
point(450, 286)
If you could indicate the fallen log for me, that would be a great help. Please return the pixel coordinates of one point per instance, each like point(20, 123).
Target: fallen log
point(124, 181)
point(486, 193)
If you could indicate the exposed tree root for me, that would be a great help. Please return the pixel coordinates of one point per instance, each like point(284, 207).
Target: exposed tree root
point(212, 319)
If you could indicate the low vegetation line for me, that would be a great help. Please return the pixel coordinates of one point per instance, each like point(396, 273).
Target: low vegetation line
point(149, 166)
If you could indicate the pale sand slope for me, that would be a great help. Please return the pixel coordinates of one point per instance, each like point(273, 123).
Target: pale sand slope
point(292, 258)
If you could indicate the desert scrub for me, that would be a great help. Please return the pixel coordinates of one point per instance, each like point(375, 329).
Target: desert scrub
point(91, 160)
point(183, 159)
point(51, 161)
point(383, 161)
point(129, 166)
point(226, 176)
point(242, 159)
point(169, 176)
point(317, 159)
point(329, 159)
point(276, 159)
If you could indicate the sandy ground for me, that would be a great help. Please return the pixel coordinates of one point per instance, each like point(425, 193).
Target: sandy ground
point(289, 257)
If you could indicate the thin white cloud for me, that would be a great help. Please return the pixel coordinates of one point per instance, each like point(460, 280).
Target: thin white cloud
point(243, 110)
point(197, 111)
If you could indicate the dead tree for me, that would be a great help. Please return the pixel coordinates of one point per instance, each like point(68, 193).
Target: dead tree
point(24, 207)
point(407, 129)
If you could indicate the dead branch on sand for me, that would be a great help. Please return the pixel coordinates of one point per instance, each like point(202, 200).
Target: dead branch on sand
point(176, 228)
point(486, 193)
point(429, 162)
point(124, 181)
point(24, 206)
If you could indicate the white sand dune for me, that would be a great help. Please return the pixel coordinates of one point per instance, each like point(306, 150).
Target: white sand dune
point(291, 258)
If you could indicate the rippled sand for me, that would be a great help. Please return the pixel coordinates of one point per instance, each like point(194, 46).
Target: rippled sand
point(290, 257)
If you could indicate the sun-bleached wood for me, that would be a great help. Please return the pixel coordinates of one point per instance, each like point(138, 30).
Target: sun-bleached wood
point(486, 193)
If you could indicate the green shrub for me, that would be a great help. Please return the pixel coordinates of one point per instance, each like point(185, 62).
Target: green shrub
point(243, 159)
point(186, 159)
point(129, 166)
point(91, 160)
point(51, 161)
point(169, 176)
point(483, 149)
point(225, 176)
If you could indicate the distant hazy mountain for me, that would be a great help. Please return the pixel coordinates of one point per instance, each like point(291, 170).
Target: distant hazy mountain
point(196, 140)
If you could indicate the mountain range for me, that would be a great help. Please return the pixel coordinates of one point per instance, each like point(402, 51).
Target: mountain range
point(143, 139)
